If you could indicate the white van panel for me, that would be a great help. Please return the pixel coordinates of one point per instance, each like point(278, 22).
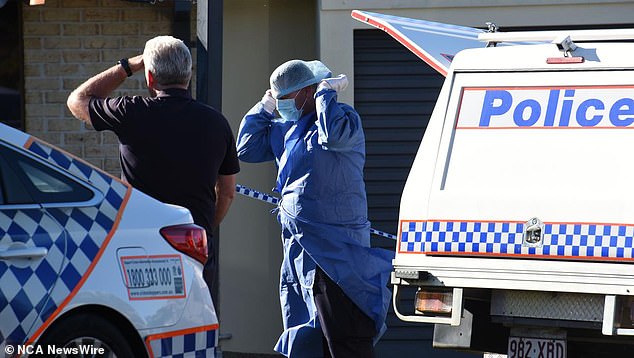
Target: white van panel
point(554, 146)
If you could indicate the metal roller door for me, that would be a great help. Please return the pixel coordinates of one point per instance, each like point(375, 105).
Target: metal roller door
point(395, 93)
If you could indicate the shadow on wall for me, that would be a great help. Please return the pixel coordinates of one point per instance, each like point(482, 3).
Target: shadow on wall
point(10, 106)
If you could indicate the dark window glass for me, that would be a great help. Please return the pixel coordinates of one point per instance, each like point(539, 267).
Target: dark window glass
point(11, 73)
point(43, 184)
point(13, 191)
point(3, 189)
point(42, 180)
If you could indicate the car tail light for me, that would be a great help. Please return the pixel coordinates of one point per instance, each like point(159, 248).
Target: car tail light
point(189, 239)
point(438, 302)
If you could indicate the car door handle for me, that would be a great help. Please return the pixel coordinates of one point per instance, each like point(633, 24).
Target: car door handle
point(23, 253)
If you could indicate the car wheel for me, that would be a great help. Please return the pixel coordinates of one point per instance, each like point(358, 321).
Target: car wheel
point(86, 335)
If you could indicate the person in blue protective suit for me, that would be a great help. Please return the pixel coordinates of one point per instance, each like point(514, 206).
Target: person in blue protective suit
point(333, 286)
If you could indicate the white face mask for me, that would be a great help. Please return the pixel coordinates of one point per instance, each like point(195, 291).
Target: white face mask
point(287, 109)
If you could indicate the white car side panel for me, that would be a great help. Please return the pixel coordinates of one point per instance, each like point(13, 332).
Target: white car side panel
point(106, 285)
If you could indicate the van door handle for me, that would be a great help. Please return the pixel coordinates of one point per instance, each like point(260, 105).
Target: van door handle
point(23, 253)
point(533, 233)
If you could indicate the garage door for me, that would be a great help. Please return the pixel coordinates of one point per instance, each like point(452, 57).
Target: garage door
point(394, 93)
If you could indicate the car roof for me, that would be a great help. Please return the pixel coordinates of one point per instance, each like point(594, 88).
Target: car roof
point(13, 136)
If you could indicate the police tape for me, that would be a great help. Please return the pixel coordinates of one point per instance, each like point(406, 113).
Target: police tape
point(246, 191)
point(381, 233)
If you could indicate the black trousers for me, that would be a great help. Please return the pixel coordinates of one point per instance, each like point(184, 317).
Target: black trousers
point(210, 269)
point(348, 332)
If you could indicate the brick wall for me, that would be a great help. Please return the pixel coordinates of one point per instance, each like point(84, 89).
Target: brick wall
point(68, 41)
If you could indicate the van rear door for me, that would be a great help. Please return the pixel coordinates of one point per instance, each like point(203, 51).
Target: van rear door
point(532, 164)
point(433, 42)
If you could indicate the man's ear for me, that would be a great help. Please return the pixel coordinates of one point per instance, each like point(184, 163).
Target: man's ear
point(312, 90)
point(150, 79)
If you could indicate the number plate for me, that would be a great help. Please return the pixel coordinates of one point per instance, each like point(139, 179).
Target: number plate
point(520, 347)
point(153, 277)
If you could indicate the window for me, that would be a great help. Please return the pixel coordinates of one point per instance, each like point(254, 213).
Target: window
point(13, 191)
point(27, 181)
point(11, 67)
point(43, 181)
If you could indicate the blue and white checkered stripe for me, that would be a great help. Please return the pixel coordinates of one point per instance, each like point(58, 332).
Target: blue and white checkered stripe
point(199, 345)
point(574, 240)
point(86, 230)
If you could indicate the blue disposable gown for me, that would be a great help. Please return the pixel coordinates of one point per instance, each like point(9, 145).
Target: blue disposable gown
point(323, 214)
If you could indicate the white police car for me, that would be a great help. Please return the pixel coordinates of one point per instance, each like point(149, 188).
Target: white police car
point(89, 265)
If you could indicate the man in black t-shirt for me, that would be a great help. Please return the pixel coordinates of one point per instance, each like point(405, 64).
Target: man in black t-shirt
point(172, 147)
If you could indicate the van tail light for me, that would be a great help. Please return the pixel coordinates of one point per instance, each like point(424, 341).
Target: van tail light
point(433, 302)
point(189, 239)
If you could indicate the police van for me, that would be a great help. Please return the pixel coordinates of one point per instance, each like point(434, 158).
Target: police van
point(516, 224)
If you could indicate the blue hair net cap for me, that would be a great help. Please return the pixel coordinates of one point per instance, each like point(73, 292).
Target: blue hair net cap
point(297, 74)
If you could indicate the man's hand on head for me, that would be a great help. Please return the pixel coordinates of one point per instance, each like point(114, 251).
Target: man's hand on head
point(338, 83)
